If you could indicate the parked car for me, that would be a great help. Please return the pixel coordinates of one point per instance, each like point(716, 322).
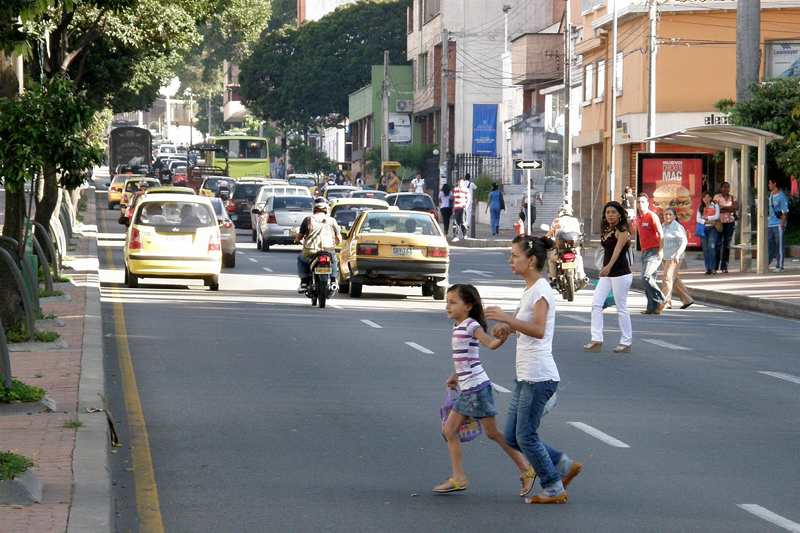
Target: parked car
point(227, 233)
point(281, 215)
point(241, 201)
point(266, 191)
point(413, 201)
point(369, 193)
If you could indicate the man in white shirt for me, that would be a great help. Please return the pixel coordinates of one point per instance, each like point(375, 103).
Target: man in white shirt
point(469, 188)
point(418, 184)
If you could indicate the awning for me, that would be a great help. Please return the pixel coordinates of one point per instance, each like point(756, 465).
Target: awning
point(719, 137)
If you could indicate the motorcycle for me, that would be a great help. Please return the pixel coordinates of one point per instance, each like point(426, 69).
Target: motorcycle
point(566, 278)
point(320, 287)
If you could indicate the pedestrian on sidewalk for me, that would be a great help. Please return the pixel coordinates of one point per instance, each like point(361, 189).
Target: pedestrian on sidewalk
point(418, 184)
point(469, 189)
point(495, 207)
point(537, 374)
point(776, 224)
point(629, 202)
point(523, 216)
point(728, 211)
point(708, 218)
point(651, 241)
point(675, 242)
point(459, 207)
point(615, 277)
point(445, 207)
point(475, 398)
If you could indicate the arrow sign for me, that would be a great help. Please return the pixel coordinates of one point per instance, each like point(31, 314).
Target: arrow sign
point(531, 164)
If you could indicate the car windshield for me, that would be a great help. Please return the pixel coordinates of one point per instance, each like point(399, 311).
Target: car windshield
point(380, 195)
point(292, 203)
point(176, 214)
point(246, 191)
point(305, 182)
point(246, 149)
point(388, 222)
point(213, 184)
point(413, 202)
point(133, 186)
point(338, 193)
point(346, 215)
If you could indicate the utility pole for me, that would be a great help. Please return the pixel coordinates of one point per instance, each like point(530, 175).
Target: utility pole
point(209, 116)
point(651, 78)
point(748, 52)
point(612, 175)
point(566, 170)
point(444, 112)
point(191, 117)
point(385, 110)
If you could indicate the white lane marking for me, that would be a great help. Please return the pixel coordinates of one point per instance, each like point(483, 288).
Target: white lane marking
point(335, 306)
point(371, 324)
point(419, 348)
point(769, 516)
point(253, 259)
point(596, 433)
point(578, 318)
point(668, 345)
point(239, 252)
point(267, 269)
point(481, 273)
point(781, 375)
point(500, 388)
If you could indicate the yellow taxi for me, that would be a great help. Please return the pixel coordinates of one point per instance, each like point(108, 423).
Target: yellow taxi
point(115, 189)
point(394, 248)
point(173, 236)
point(133, 185)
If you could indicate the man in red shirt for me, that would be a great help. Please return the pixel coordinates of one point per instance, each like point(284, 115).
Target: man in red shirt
point(651, 241)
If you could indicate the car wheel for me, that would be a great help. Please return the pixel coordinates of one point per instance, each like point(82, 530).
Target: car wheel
point(427, 289)
point(355, 289)
point(212, 283)
point(229, 260)
point(438, 293)
point(131, 281)
point(344, 287)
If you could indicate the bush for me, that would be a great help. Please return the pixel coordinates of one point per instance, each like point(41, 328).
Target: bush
point(20, 392)
point(12, 465)
point(483, 187)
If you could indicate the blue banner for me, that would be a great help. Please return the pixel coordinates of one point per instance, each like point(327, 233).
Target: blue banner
point(484, 130)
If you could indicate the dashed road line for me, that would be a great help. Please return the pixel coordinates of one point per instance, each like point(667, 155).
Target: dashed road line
point(371, 324)
point(599, 435)
point(267, 269)
point(781, 375)
point(500, 388)
point(239, 252)
point(419, 348)
point(481, 273)
point(668, 345)
point(578, 318)
point(253, 259)
point(769, 516)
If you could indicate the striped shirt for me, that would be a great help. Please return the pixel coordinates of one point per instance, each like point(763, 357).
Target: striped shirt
point(466, 358)
point(459, 198)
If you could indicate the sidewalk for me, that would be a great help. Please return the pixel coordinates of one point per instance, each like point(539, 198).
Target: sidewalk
point(70, 371)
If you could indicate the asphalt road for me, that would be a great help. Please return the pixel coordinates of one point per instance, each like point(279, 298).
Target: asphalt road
point(265, 414)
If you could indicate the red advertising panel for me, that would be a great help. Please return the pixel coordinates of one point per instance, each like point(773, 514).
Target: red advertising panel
point(674, 180)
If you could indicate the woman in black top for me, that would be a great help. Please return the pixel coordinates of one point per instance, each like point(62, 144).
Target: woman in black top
point(615, 276)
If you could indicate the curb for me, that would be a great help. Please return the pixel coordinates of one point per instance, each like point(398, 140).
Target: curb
point(724, 299)
point(90, 511)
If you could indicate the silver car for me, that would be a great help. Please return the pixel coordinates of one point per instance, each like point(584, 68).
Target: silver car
point(227, 233)
point(280, 216)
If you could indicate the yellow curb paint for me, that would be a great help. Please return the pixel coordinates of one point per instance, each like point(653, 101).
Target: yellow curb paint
point(148, 508)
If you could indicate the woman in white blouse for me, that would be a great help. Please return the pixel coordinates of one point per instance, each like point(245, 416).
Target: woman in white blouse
point(708, 219)
point(675, 241)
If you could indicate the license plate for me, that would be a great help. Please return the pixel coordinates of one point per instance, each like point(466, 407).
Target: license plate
point(567, 266)
point(322, 270)
point(402, 252)
point(234, 217)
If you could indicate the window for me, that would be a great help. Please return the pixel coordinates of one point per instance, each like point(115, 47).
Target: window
point(431, 9)
point(620, 59)
point(422, 74)
point(588, 83)
point(601, 79)
point(410, 19)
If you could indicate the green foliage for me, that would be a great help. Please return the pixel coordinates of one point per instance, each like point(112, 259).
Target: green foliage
point(201, 117)
point(12, 465)
point(483, 186)
point(411, 156)
point(775, 107)
point(303, 76)
point(20, 392)
point(73, 424)
point(306, 158)
point(18, 334)
point(283, 12)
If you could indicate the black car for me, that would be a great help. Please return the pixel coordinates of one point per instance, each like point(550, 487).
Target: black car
point(241, 201)
point(413, 201)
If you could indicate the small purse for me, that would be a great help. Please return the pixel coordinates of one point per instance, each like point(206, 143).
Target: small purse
point(718, 225)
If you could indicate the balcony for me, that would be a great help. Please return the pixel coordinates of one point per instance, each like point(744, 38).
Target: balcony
point(537, 59)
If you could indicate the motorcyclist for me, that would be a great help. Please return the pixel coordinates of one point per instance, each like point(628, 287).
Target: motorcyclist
point(563, 224)
point(329, 182)
point(318, 232)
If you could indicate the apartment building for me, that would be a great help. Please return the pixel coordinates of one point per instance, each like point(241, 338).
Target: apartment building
point(233, 111)
point(695, 68)
point(309, 10)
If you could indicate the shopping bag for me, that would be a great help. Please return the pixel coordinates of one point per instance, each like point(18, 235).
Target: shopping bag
point(470, 429)
point(609, 301)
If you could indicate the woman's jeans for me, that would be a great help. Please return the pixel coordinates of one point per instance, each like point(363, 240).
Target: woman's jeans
point(710, 248)
point(619, 285)
point(446, 214)
point(522, 426)
point(495, 214)
point(724, 245)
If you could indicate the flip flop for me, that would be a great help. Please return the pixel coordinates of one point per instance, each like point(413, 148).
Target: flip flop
point(527, 477)
point(451, 485)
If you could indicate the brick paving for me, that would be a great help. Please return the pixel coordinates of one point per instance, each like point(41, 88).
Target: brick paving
point(42, 436)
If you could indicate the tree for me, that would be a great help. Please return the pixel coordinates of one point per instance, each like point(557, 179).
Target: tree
point(303, 76)
point(306, 158)
point(284, 12)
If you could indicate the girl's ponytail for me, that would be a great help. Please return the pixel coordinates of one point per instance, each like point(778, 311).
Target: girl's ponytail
point(535, 247)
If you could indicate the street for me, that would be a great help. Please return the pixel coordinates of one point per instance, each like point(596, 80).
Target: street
point(261, 413)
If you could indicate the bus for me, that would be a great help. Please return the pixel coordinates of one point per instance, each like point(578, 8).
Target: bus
point(241, 155)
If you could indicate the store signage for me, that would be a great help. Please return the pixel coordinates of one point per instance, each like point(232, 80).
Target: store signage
point(783, 60)
point(717, 120)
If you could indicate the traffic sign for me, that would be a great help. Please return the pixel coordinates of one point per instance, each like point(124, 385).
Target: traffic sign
point(530, 164)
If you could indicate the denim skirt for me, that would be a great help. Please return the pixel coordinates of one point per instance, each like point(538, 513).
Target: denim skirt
point(476, 404)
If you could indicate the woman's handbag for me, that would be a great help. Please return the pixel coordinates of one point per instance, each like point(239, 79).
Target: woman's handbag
point(718, 225)
point(470, 429)
point(700, 230)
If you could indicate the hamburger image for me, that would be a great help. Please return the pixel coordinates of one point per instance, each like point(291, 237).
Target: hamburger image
point(676, 196)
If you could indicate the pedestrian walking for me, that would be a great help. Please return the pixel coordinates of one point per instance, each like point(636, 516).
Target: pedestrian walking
point(615, 277)
point(445, 207)
point(360, 180)
point(708, 219)
point(393, 184)
point(523, 215)
point(459, 206)
point(675, 242)
point(475, 398)
point(469, 188)
point(629, 202)
point(537, 373)
point(728, 209)
point(495, 206)
point(383, 183)
point(648, 228)
point(776, 224)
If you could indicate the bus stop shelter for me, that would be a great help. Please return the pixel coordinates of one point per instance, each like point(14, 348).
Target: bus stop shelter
point(729, 139)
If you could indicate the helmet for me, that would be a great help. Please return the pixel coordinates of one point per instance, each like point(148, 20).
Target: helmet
point(321, 204)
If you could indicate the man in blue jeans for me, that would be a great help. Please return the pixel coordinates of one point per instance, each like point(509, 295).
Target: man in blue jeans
point(776, 225)
point(651, 240)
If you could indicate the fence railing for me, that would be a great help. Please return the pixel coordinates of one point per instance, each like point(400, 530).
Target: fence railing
point(477, 166)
